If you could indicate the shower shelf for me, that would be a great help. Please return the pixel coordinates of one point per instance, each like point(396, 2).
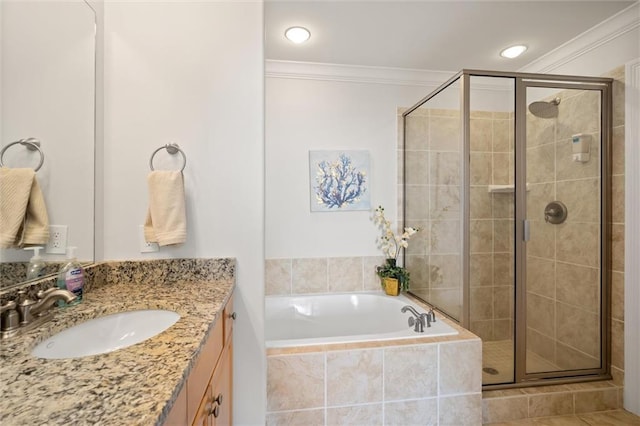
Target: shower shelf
point(502, 189)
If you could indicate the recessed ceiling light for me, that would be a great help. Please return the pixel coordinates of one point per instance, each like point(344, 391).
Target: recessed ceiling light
point(513, 51)
point(297, 34)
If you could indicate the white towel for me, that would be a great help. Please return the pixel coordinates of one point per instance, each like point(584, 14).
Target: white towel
point(166, 221)
point(23, 213)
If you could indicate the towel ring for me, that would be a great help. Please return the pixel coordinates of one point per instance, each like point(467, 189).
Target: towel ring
point(173, 149)
point(32, 144)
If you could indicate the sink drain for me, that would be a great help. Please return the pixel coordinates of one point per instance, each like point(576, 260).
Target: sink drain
point(490, 370)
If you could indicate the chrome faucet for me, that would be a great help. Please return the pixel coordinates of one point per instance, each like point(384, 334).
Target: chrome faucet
point(48, 297)
point(419, 321)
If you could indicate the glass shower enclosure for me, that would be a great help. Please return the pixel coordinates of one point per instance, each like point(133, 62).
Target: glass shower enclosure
point(508, 176)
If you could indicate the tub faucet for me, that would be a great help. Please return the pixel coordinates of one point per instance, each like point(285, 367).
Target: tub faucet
point(418, 320)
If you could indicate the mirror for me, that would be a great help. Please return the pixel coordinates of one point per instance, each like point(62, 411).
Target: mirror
point(47, 91)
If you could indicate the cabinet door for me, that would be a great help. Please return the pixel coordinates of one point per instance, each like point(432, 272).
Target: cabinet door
point(203, 417)
point(222, 390)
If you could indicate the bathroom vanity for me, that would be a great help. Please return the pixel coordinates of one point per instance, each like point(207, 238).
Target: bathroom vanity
point(181, 376)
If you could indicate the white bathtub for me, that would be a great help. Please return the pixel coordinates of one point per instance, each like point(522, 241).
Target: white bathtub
point(342, 318)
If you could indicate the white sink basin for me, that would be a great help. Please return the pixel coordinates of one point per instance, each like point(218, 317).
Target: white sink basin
point(105, 334)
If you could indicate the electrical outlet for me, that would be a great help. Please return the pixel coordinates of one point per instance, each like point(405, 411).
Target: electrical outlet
point(57, 239)
point(145, 246)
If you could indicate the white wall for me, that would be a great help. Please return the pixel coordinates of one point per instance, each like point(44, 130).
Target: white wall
point(328, 114)
point(192, 73)
point(47, 84)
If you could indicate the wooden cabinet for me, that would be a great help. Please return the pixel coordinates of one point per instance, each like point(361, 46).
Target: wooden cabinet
point(207, 395)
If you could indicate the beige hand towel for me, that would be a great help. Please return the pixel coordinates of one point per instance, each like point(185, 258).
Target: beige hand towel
point(166, 221)
point(23, 213)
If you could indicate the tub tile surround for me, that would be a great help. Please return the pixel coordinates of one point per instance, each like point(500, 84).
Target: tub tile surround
point(321, 275)
point(363, 384)
point(135, 385)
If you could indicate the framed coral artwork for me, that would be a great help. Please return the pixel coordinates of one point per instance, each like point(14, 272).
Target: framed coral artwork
point(339, 181)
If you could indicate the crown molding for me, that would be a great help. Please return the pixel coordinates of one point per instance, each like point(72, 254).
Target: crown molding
point(616, 26)
point(354, 73)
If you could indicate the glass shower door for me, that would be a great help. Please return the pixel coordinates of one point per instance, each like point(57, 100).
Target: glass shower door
point(562, 274)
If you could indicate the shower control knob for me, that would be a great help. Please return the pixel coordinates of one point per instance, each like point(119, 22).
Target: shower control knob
point(555, 212)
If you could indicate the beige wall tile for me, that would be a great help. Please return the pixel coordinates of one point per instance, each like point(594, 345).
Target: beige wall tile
point(480, 114)
point(501, 135)
point(445, 237)
point(617, 343)
point(502, 302)
point(578, 328)
point(617, 199)
point(540, 164)
point(541, 276)
point(618, 101)
point(277, 276)
point(344, 274)
point(503, 234)
point(370, 414)
point(296, 418)
point(416, 167)
point(480, 270)
point(417, 132)
point(483, 329)
point(503, 265)
point(295, 382)
point(410, 372)
point(460, 369)
point(460, 410)
point(554, 404)
point(309, 275)
point(444, 133)
point(617, 151)
point(503, 206)
point(481, 134)
point(617, 247)
point(578, 243)
point(501, 165)
point(503, 329)
point(570, 358)
point(578, 285)
point(541, 314)
point(578, 113)
point(480, 168)
point(419, 271)
point(541, 345)
point(354, 377)
point(444, 271)
point(447, 300)
point(417, 202)
point(496, 410)
point(444, 202)
point(480, 203)
point(481, 303)
point(416, 412)
point(370, 278)
point(582, 198)
point(543, 239)
point(444, 168)
point(540, 131)
point(481, 236)
point(617, 296)
point(598, 400)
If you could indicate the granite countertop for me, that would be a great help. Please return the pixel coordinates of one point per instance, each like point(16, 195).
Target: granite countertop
point(136, 385)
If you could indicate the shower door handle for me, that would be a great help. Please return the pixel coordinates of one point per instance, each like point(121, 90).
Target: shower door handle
point(526, 230)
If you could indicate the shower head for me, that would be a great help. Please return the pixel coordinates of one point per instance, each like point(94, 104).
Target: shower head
point(544, 109)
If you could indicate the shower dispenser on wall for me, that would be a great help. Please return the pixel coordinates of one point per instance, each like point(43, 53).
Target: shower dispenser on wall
point(581, 147)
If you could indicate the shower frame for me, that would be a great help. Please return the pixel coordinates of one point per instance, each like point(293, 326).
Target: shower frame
point(521, 82)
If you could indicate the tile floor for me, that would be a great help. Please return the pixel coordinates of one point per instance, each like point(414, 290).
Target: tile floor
point(499, 356)
point(604, 418)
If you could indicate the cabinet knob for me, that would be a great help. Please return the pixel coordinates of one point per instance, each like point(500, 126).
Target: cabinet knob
point(233, 315)
point(218, 399)
point(215, 411)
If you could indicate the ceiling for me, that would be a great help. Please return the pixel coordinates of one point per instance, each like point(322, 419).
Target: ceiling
point(429, 35)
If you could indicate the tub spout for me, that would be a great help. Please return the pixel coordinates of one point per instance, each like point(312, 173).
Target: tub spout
point(418, 323)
